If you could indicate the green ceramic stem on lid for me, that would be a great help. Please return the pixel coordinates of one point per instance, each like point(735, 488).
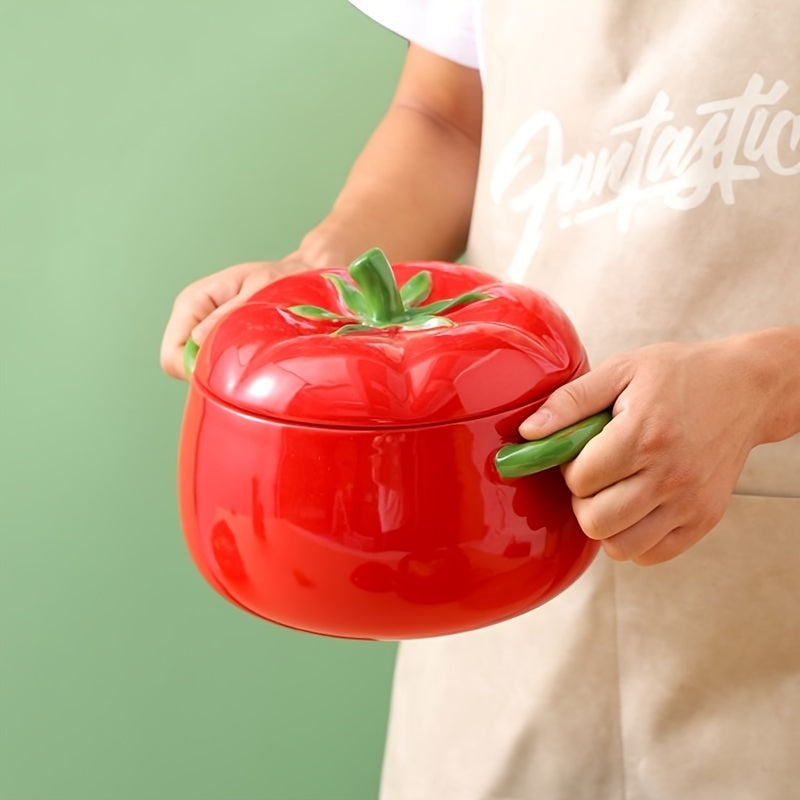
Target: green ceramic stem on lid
point(375, 301)
point(374, 276)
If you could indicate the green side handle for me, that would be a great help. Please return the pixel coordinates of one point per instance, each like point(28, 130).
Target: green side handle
point(528, 458)
point(189, 357)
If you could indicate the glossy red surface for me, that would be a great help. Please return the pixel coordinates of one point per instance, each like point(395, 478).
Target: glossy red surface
point(345, 485)
point(377, 534)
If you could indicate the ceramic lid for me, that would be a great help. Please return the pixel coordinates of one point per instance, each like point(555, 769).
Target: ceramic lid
point(308, 349)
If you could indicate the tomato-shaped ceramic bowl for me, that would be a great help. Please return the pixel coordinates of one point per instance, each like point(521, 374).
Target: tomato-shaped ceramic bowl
point(338, 465)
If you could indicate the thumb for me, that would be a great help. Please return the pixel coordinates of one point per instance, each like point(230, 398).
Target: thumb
point(573, 402)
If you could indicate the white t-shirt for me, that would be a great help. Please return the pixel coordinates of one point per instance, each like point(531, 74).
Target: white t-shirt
point(445, 27)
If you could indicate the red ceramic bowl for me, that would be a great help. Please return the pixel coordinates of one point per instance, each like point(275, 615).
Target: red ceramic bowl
point(345, 484)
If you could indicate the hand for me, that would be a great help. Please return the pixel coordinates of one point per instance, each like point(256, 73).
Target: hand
point(660, 475)
point(198, 307)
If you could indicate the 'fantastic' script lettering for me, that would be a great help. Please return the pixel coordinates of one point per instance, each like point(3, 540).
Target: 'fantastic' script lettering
point(734, 140)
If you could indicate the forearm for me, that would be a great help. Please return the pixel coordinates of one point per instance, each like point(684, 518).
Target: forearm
point(410, 191)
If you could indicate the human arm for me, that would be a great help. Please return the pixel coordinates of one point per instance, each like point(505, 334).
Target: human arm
point(659, 476)
point(409, 192)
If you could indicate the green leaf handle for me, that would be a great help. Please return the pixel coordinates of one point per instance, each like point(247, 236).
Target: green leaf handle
point(528, 458)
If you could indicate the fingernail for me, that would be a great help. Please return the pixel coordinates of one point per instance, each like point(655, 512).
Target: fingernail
point(539, 419)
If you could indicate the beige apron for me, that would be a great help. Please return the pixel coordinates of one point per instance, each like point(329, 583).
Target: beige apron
point(642, 166)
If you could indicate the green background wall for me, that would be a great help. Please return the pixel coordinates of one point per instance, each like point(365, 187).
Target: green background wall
point(142, 145)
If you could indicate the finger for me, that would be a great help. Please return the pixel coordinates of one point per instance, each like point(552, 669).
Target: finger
point(695, 521)
point(576, 400)
point(253, 277)
point(186, 314)
point(194, 304)
point(607, 459)
point(617, 508)
point(643, 537)
point(200, 331)
point(669, 546)
point(171, 354)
